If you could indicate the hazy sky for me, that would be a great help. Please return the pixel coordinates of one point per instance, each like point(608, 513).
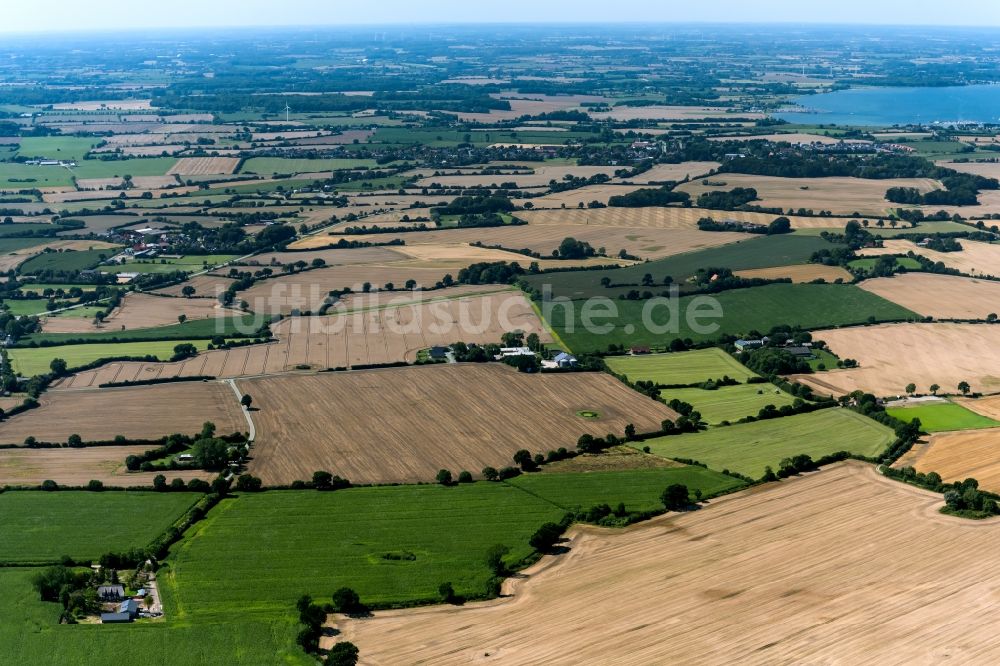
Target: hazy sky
point(60, 15)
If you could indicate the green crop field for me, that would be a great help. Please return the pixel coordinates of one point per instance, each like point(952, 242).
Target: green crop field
point(42, 526)
point(16, 176)
point(889, 232)
point(638, 489)
point(749, 448)
point(757, 252)
point(25, 306)
point(70, 260)
point(272, 165)
point(943, 416)
point(66, 148)
point(743, 310)
point(9, 245)
point(730, 403)
point(688, 367)
point(136, 166)
point(22, 228)
point(40, 287)
point(30, 361)
point(868, 263)
point(82, 312)
point(209, 327)
point(31, 634)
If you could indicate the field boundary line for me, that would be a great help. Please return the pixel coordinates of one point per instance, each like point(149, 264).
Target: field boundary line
point(246, 412)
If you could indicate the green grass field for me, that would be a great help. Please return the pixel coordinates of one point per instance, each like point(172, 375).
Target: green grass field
point(730, 403)
point(30, 361)
point(822, 357)
point(749, 448)
point(888, 232)
point(313, 542)
point(868, 263)
point(40, 527)
point(75, 260)
point(22, 228)
point(16, 176)
point(9, 245)
point(743, 310)
point(65, 148)
point(40, 287)
point(757, 252)
point(638, 489)
point(25, 306)
point(688, 367)
point(943, 416)
point(272, 165)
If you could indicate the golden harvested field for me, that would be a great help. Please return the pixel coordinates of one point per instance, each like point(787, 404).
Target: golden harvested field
point(384, 334)
point(975, 258)
point(142, 311)
point(893, 355)
point(675, 172)
point(939, 296)
point(841, 196)
point(203, 166)
point(957, 456)
point(529, 105)
point(645, 242)
point(137, 412)
point(141, 182)
point(76, 467)
point(457, 417)
point(540, 177)
point(789, 573)
point(658, 217)
point(985, 169)
point(799, 273)
point(988, 406)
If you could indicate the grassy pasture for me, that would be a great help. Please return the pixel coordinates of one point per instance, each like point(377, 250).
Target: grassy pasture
point(25, 306)
point(195, 329)
point(756, 252)
point(30, 361)
point(749, 448)
point(40, 287)
point(743, 310)
point(730, 403)
point(9, 230)
point(16, 176)
point(189, 263)
point(868, 263)
point(688, 367)
point(313, 542)
point(8, 245)
point(638, 489)
point(74, 260)
point(43, 526)
point(943, 416)
point(67, 148)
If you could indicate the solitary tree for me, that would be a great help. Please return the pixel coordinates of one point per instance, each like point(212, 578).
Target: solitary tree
point(911, 388)
point(346, 600)
point(58, 366)
point(934, 389)
point(444, 477)
point(181, 318)
point(964, 387)
point(188, 291)
point(344, 653)
point(675, 497)
point(246, 400)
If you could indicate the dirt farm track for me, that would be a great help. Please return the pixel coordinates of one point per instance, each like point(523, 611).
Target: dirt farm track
point(874, 571)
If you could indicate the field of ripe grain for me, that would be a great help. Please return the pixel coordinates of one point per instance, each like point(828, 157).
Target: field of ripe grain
point(203, 166)
point(652, 243)
point(718, 586)
point(581, 195)
point(975, 258)
point(332, 256)
point(800, 273)
point(894, 355)
point(206, 286)
point(841, 196)
point(457, 417)
point(988, 406)
point(77, 467)
point(142, 311)
point(371, 334)
point(957, 456)
point(659, 217)
point(939, 296)
point(137, 412)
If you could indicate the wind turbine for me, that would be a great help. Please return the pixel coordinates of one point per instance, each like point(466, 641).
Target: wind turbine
point(287, 109)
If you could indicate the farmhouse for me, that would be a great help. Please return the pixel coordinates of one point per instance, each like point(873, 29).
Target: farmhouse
point(128, 611)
